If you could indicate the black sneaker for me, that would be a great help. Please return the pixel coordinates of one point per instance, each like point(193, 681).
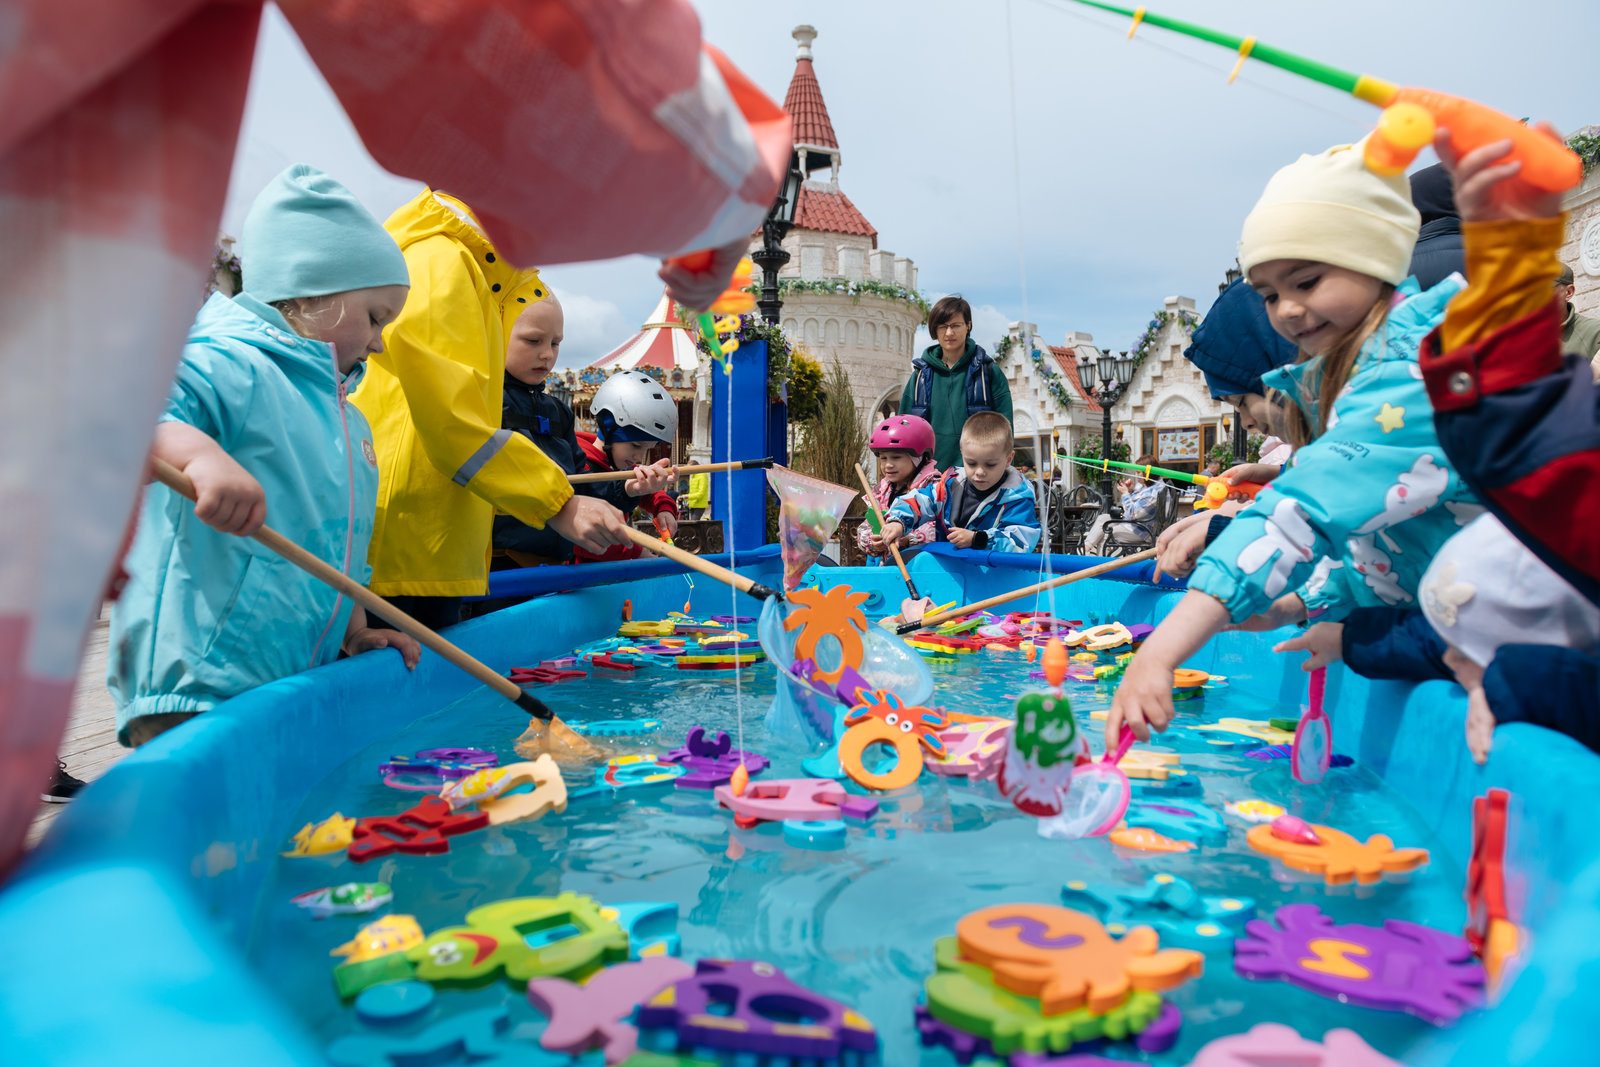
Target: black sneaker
point(63, 788)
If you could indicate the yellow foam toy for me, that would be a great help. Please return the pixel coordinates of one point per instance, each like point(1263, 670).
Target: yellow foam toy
point(647, 628)
point(1151, 764)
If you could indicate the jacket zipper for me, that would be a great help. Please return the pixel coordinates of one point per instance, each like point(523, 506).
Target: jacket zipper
point(350, 510)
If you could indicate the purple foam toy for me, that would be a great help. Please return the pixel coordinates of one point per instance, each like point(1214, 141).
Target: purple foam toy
point(711, 761)
point(1140, 630)
point(733, 620)
point(431, 767)
point(761, 1003)
point(1159, 1036)
point(1399, 966)
point(1273, 752)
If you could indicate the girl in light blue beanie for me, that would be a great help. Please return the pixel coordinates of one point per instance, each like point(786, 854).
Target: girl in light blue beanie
point(257, 416)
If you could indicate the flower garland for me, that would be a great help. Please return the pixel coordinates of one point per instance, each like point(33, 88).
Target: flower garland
point(854, 290)
point(1003, 347)
point(1188, 320)
point(1586, 144)
point(1054, 383)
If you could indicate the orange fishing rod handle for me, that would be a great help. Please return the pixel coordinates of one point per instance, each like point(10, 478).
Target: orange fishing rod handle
point(1547, 163)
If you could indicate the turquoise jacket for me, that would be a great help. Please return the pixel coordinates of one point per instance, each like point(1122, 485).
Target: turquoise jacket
point(1358, 516)
point(207, 615)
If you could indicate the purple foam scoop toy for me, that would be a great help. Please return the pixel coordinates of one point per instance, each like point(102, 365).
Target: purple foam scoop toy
point(711, 760)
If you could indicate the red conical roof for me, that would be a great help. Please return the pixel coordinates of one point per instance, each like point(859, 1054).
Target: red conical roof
point(804, 103)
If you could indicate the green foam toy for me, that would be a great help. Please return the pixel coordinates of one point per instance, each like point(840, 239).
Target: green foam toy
point(526, 937)
point(964, 995)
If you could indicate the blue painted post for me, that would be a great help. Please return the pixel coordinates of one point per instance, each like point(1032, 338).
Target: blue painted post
point(744, 517)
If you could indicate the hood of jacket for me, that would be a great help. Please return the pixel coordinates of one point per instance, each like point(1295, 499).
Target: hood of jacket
point(1236, 345)
point(1411, 317)
point(248, 319)
point(431, 214)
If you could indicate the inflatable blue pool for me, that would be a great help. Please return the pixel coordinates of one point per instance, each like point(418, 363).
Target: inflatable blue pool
point(135, 936)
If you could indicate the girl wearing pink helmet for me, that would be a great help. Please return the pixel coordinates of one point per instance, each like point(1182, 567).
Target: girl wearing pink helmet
point(904, 447)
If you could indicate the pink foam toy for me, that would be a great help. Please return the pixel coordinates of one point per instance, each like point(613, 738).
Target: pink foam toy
point(591, 1015)
point(1294, 828)
point(1274, 1043)
point(784, 798)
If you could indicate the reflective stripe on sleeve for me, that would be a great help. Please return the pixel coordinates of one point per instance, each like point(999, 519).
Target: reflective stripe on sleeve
point(484, 454)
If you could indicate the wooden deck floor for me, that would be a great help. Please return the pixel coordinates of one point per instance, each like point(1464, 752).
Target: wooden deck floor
point(90, 745)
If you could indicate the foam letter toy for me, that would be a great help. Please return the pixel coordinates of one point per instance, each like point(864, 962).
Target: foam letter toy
point(1399, 966)
point(592, 1015)
point(1066, 959)
point(526, 937)
point(761, 998)
point(1338, 857)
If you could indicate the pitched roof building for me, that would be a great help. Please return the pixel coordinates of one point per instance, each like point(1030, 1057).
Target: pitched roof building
point(843, 297)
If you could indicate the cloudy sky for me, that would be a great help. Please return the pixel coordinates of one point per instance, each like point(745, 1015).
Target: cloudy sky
point(1137, 162)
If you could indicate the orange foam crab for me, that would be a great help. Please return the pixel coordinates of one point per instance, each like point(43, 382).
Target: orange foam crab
point(922, 723)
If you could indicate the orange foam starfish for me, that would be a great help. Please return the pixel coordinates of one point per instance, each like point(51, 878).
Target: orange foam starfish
point(1339, 858)
point(1067, 960)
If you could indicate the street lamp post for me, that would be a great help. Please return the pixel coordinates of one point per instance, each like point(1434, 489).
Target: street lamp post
point(771, 257)
point(1113, 375)
point(1241, 440)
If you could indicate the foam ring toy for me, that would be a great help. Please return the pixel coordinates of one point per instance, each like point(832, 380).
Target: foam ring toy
point(813, 831)
point(1186, 678)
point(907, 749)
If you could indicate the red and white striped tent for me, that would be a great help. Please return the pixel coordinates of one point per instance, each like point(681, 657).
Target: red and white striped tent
point(664, 348)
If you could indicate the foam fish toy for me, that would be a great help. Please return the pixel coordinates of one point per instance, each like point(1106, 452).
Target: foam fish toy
point(1256, 811)
point(352, 898)
point(479, 785)
point(392, 933)
point(323, 838)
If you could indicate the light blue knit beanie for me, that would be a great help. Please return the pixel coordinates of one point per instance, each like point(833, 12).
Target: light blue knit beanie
point(306, 235)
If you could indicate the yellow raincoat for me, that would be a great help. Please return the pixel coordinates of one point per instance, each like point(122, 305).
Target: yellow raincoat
point(433, 399)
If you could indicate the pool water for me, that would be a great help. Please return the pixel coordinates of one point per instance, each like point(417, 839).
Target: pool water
point(856, 923)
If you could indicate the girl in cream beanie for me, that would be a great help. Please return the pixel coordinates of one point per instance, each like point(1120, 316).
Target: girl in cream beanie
point(1370, 495)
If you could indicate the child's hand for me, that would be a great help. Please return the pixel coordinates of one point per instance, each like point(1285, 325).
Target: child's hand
point(1180, 545)
point(1480, 725)
point(1487, 191)
point(669, 522)
point(366, 639)
point(1325, 642)
point(1143, 699)
point(1260, 473)
point(1285, 611)
point(891, 531)
point(590, 523)
point(876, 546)
point(959, 537)
point(227, 498)
point(698, 289)
point(652, 479)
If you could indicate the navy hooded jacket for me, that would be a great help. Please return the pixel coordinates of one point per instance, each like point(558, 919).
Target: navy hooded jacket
point(1236, 344)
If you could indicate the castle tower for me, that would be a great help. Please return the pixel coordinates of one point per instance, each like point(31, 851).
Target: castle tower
point(843, 297)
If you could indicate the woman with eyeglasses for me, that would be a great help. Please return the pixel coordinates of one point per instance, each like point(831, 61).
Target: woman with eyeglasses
point(953, 378)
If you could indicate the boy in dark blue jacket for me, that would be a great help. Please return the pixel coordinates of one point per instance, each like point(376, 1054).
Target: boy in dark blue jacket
point(527, 409)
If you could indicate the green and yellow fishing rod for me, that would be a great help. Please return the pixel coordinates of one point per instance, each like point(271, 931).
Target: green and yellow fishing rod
point(1410, 116)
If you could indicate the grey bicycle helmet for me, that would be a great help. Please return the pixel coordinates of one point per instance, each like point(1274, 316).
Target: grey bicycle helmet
point(632, 406)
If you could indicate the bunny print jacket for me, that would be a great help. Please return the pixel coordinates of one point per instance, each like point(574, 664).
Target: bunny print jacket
point(1358, 515)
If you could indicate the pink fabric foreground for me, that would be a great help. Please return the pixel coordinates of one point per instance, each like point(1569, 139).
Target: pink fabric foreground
point(577, 129)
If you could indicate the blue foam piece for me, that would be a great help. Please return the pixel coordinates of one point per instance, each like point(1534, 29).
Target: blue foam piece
point(1190, 820)
point(394, 1002)
point(1169, 904)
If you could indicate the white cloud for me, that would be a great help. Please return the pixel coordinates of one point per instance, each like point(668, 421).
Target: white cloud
point(594, 327)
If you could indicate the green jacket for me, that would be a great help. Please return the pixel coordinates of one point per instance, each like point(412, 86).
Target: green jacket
point(948, 407)
point(1580, 335)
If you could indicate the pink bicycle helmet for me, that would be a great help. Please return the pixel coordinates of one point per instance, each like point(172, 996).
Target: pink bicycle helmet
point(903, 433)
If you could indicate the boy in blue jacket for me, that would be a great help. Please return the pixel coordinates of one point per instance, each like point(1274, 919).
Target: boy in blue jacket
point(984, 504)
point(257, 413)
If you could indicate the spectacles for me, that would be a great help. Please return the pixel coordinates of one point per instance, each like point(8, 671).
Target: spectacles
point(956, 325)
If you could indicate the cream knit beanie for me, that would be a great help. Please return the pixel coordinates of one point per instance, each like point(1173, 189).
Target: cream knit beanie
point(1330, 208)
